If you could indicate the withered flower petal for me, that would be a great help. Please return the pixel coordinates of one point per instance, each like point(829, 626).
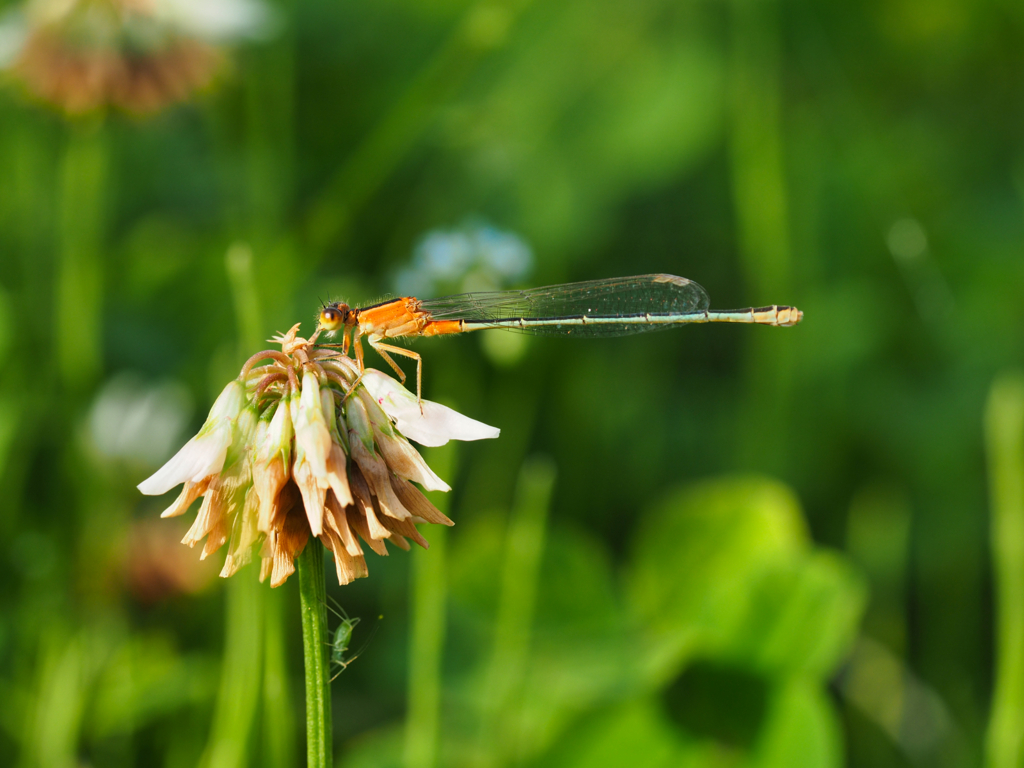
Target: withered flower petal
point(189, 493)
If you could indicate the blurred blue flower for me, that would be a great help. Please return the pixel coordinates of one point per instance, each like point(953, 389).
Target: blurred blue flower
point(506, 253)
point(445, 255)
point(476, 256)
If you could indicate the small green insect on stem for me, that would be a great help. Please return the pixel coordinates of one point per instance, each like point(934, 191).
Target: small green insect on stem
point(341, 640)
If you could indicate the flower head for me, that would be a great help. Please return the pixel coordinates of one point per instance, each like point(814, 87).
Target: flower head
point(301, 444)
point(136, 55)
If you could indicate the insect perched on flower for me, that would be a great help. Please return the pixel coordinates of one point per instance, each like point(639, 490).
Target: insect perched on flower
point(305, 443)
point(619, 306)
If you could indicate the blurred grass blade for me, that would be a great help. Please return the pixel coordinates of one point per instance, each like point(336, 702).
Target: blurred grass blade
point(524, 547)
point(760, 198)
point(239, 265)
point(755, 145)
point(278, 715)
point(878, 530)
point(79, 294)
point(56, 723)
point(426, 643)
point(237, 697)
point(1004, 437)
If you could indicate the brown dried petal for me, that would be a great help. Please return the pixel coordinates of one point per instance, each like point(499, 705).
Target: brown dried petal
point(367, 504)
point(223, 499)
point(189, 493)
point(313, 496)
point(290, 543)
point(210, 514)
point(216, 538)
point(358, 523)
point(373, 523)
point(361, 493)
point(288, 499)
point(400, 541)
point(402, 529)
point(268, 480)
point(417, 503)
point(244, 535)
point(337, 521)
point(337, 477)
point(348, 567)
point(405, 461)
point(377, 476)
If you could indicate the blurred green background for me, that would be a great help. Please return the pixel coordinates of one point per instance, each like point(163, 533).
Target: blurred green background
point(716, 546)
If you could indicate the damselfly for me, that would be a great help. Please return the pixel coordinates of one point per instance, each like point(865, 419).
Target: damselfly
point(614, 307)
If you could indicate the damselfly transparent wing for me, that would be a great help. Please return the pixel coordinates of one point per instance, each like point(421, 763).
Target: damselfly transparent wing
point(626, 297)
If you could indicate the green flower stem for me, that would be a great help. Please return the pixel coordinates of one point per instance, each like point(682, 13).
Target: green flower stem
point(313, 604)
point(1004, 437)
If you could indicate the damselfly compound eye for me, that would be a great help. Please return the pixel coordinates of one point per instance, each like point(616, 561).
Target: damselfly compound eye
point(331, 318)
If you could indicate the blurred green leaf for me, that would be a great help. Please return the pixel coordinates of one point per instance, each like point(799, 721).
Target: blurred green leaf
point(376, 749)
point(580, 651)
point(147, 679)
point(635, 733)
point(803, 616)
point(697, 558)
point(802, 729)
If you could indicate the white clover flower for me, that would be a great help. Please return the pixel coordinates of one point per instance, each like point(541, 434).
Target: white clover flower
point(433, 424)
point(301, 445)
point(205, 453)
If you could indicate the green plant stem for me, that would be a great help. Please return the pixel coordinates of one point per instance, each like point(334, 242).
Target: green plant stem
point(313, 604)
point(1004, 437)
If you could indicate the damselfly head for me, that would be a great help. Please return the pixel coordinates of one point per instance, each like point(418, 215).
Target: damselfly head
point(333, 316)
